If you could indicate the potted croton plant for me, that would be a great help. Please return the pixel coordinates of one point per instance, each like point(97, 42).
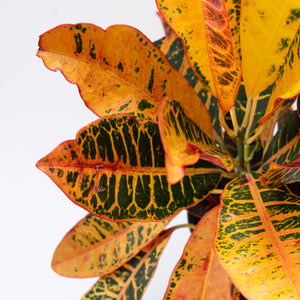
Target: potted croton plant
point(202, 120)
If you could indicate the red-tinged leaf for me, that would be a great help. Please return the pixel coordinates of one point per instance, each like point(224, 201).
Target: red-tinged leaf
point(258, 237)
point(172, 47)
point(267, 31)
point(185, 143)
point(115, 169)
point(287, 84)
point(117, 71)
point(198, 274)
point(205, 31)
point(95, 247)
point(130, 281)
point(278, 175)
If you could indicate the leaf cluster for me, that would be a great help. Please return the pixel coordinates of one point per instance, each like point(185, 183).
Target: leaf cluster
point(201, 120)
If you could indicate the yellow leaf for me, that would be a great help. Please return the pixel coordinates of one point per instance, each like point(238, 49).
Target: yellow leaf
point(267, 31)
point(287, 84)
point(204, 29)
point(258, 237)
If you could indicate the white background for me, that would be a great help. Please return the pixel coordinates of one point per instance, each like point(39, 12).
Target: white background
point(40, 109)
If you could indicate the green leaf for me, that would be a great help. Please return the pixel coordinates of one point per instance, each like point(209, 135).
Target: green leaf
point(115, 169)
point(95, 247)
point(258, 107)
point(130, 281)
point(205, 31)
point(185, 143)
point(257, 240)
point(198, 274)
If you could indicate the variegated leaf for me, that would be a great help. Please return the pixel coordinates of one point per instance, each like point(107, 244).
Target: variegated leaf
point(284, 148)
point(95, 247)
point(116, 169)
point(184, 142)
point(233, 8)
point(117, 71)
point(204, 29)
point(267, 135)
point(258, 107)
point(172, 47)
point(287, 84)
point(130, 281)
point(258, 237)
point(267, 30)
point(198, 274)
point(278, 175)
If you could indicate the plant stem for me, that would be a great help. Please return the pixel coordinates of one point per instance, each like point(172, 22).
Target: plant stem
point(234, 120)
point(188, 225)
point(230, 132)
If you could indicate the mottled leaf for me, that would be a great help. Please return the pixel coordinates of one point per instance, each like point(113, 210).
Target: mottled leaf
point(204, 29)
point(198, 274)
point(172, 48)
point(285, 145)
point(258, 108)
point(233, 8)
point(184, 142)
point(116, 169)
point(287, 84)
point(268, 133)
point(278, 175)
point(95, 247)
point(267, 31)
point(117, 70)
point(258, 237)
point(130, 281)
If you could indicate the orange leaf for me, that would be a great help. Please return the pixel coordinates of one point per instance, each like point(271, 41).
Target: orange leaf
point(184, 141)
point(198, 274)
point(258, 238)
point(117, 70)
point(204, 29)
point(95, 247)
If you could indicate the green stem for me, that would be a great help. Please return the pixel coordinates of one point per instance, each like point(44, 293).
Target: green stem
point(188, 225)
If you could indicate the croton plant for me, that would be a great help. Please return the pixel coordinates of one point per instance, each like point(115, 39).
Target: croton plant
point(201, 120)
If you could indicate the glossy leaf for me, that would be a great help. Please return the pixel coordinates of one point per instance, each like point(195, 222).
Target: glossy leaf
point(130, 281)
point(258, 107)
point(278, 175)
point(172, 47)
point(198, 274)
point(204, 29)
point(233, 8)
point(115, 169)
point(185, 143)
point(117, 70)
point(287, 84)
point(267, 31)
point(258, 238)
point(284, 148)
point(267, 136)
point(95, 247)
